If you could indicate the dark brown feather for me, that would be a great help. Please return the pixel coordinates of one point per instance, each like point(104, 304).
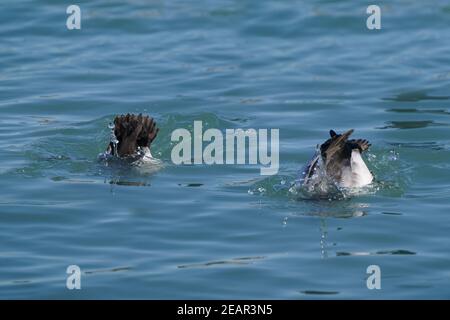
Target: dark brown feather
point(337, 152)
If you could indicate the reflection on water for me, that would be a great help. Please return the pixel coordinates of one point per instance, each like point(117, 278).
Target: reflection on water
point(117, 269)
point(234, 261)
point(319, 292)
point(392, 213)
point(120, 182)
point(326, 210)
point(346, 211)
point(383, 252)
point(334, 209)
point(412, 124)
point(418, 145)
point(414, 96)
point(120, 172)
point(190, 184)
point(414, 110)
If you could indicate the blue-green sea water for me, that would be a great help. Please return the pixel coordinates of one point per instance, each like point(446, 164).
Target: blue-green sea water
point(223, 231)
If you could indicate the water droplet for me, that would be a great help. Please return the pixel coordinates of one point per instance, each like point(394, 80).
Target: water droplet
point(113, 139)
point(393, 156)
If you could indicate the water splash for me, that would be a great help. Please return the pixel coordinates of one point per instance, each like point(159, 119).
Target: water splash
point(113, 139)
point(319, 184)
point(390, 178)
point(129, 170)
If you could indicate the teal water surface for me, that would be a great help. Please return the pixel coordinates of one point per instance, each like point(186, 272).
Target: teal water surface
point(223, 231)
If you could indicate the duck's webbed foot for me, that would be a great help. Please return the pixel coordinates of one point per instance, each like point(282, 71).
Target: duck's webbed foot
point(360, 144)
point(133, 131)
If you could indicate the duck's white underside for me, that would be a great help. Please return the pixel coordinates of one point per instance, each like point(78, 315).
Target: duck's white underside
point(147, 157)
point(357, 174)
